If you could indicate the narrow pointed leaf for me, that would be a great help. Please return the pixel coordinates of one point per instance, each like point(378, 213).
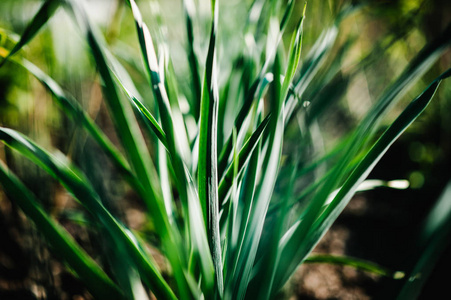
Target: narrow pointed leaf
point(360, 264)
point(132, 139)
point(189, 9)
point(268, 169)
point(325, 220)
point(147, 116)
point(40, 19)
point(256, 91)
point(76, 183)
point(261, 81)
point(62, 243)
point(182, 177)
point(363, 132)
point(243, 157)
point(207, 165)
point(75, 111)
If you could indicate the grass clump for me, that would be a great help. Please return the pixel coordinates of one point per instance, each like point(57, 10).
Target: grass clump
point(236, 205)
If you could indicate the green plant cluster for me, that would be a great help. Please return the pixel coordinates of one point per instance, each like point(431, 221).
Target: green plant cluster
point(234, 210)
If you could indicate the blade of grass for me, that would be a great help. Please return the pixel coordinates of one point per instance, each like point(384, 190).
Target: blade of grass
point(246, 203)
point(76, 183)
point(270, 170)
point(263, 191)
point(183, 178)
point(298, 251)
point(179, 120)
point(133, 141)
point(200, 244)
point(170, 94)
point(207, 165)
point(74, 110)
point(256, 91)
point(153, 126)
point(146, 115)
point(189, 9)
point(230, 229)
point(261, 81)
point(126, 84)
point(366, 128)
point(40, 19)
point(97, 282)
point(271, 256)
point(360, 264)
point(153, 70)
point(126, 125)
point(414, 109)
point(243, 157)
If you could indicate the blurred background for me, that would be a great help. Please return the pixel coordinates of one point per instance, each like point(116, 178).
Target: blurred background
point(374, 44)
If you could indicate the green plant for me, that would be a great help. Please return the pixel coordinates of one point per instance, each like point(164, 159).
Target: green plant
point(224, 200)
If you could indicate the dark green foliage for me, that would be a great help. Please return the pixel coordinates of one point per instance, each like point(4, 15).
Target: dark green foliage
point(234, 224)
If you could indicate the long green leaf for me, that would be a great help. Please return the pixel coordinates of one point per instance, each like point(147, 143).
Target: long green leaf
point(126, 84)
point(152, 68)
point(189, 8)
point(62, 243)
point(365, 129)
point(271, 255)
point(310, 67)
point(355, 263)
point(182, 178)
point(256, 91)
point(314, 60)
point(126, 125)
point(147, 116)
point(74, 110)
point(246, 197)
point(414, 109)
point(178, 156)
point(297, 253)
point(76, 183)
point(271, 169)
point(133, 141)
point(207, 165)
point(40, 19)
point(243, 157)
point(261, 81)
